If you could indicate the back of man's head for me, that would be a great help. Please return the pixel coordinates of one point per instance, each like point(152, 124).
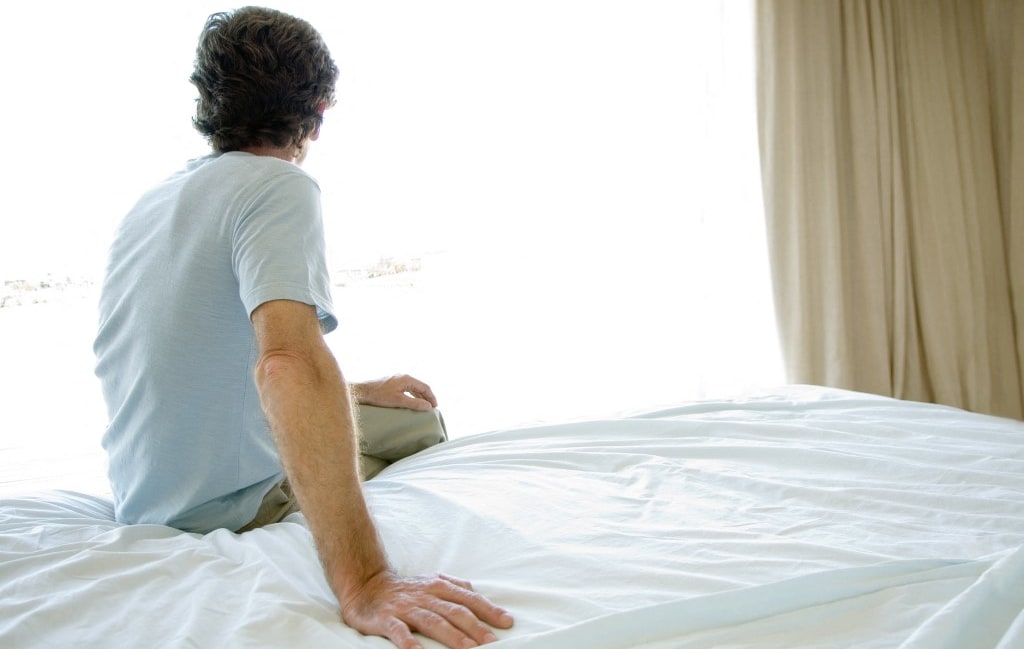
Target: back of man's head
point(264, 78)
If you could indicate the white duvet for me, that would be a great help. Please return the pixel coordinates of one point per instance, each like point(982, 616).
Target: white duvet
point(807, 518)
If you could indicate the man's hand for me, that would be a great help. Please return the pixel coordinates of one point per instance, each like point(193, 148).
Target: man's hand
point(399, 391)
point(440, 607)
point(306, 401)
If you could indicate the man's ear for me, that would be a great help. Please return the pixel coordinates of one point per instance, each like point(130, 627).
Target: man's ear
point(320, 111)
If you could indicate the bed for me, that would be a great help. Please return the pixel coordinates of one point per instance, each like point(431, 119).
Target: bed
point(802, 517)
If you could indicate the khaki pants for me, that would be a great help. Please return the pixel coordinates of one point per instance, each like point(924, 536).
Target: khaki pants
point(386, 435)
point(279, 502)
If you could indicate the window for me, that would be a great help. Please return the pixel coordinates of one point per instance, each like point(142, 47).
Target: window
point(546, 209)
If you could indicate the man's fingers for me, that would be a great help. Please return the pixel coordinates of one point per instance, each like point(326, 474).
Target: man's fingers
point(465, 620)
point(461, 583)
point(399, 633)
point(445, 629)
point(461, 592)
point(419, 389)
point(413, 402)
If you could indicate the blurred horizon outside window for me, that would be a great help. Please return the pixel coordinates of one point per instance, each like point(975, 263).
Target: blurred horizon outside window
point(548, 210)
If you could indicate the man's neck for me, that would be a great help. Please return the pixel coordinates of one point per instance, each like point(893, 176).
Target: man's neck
point(286, 153)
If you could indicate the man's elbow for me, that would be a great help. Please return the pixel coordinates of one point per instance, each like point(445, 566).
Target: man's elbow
point(284, 369)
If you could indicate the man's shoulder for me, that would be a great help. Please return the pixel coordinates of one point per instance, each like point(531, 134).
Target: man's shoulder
point(262, 172)
point(239, 174)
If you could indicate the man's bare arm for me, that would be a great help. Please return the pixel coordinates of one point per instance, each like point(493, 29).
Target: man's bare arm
point(307, 404)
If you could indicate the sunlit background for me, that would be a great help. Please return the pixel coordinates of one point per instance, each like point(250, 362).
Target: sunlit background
point(547, 209)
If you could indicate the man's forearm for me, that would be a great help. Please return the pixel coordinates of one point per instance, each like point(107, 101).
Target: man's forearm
point(307, 404)
point(309, 408)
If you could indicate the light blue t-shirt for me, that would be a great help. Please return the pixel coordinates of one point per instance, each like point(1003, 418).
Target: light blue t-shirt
point(187, 441)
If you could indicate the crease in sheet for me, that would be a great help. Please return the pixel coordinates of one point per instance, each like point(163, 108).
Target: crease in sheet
point(988, 615)
point(644, 626)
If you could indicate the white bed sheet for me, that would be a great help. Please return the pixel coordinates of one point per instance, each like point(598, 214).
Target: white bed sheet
point(804, 518)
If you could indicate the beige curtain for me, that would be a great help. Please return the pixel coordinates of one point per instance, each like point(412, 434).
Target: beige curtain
point(892, 151)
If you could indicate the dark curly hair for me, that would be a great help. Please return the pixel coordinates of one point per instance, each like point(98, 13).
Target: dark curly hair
point(264, 78)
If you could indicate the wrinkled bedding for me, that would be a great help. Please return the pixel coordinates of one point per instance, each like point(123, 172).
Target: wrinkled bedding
point(806, 517)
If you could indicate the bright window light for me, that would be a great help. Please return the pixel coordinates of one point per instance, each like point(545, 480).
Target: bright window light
point(547, 209)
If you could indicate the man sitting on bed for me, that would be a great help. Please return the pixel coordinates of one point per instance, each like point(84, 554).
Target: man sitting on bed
point(210, 347)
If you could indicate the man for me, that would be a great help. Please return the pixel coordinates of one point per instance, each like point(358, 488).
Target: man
point(227, 409)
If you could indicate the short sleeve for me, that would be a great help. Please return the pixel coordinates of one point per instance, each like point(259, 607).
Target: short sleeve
point(278, 250)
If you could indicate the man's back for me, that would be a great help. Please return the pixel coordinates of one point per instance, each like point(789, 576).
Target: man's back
point(214, 309)
point(189, 445)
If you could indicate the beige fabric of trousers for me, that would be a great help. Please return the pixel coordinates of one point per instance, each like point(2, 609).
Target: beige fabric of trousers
point(277, 504)
point(386, 436)
point(892, 151)
point(391, 434)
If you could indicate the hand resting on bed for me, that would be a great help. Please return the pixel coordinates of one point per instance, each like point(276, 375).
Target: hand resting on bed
point(441, 607)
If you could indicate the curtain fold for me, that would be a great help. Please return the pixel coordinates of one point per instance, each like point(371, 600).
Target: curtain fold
point(890, 151)
point(1005, 36)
